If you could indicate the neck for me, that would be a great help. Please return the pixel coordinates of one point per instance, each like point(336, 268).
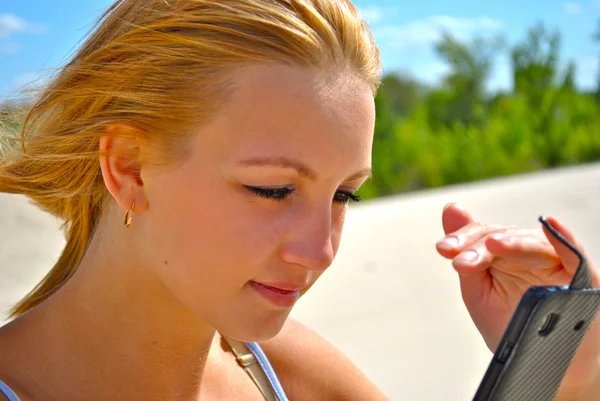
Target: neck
point(113, 331)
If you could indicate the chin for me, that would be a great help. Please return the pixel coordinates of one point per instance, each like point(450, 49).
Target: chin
point(255, 330)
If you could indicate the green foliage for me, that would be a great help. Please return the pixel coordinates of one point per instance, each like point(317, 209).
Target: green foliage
point(596, 38)
point(457, 132)
point(462, 96)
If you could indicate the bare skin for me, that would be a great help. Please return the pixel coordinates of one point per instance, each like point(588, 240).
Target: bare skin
point(139, 320)
point(504, 262)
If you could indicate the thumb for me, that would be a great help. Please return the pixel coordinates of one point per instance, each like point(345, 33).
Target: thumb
point(454, 218)
point(568, 258)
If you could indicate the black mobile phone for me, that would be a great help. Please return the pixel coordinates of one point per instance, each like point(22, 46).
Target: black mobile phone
point(542, 338)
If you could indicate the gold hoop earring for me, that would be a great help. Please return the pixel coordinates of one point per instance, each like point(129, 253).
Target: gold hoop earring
point(129, 215)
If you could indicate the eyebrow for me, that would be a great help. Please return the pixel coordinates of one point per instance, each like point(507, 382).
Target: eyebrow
point(302, 169)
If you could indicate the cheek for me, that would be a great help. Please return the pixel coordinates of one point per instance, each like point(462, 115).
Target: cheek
point(205, 240)
point(337, 226)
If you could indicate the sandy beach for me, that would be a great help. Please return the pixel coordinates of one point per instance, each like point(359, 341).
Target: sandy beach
point(389, 301)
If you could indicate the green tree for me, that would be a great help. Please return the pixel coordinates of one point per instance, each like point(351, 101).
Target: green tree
point(463, 95)
point(596, 37)
point(535, 63)
point(403, 93)
point(457, 132)
point(568, 79)
point(548, 91)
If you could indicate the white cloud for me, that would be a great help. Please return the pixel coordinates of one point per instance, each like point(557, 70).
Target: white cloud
point(572, 7)
point(466, 24)
point(501, 75)
point(10, 24)
point(374, 14)
point(587, 72)
point(588, 63)
point(423, 33)
point(431, 72)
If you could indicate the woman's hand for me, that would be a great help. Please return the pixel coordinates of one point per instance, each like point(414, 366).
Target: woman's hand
point(497, 264)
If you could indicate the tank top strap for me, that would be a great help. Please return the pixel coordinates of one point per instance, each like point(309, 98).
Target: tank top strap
point(254, 361)
point(7, 392)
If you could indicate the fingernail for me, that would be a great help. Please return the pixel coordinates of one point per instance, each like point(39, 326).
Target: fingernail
point(448, 243)
point(501, 237)
point(448, 204)
point(498, 236)
point(466, 258)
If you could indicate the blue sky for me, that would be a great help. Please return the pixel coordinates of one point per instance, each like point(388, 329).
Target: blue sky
point(37, 35)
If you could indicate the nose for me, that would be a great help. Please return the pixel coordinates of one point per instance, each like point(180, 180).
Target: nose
point(311, 239)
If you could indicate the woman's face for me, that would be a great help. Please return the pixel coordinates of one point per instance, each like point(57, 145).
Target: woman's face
point(254, 214)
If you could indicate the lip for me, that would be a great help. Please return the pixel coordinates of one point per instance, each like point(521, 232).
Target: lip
point(280, 294)
point(283, 286)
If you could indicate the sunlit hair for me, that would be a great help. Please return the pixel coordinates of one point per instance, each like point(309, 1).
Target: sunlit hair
point(163, 67)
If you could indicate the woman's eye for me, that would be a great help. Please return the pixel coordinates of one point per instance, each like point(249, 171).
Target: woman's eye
point(345, 197)
point(280, 194)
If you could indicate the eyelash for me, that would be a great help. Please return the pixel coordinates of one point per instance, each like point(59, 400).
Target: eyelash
point(280, 194)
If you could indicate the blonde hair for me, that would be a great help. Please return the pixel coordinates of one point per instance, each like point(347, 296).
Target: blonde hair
point(160, 66)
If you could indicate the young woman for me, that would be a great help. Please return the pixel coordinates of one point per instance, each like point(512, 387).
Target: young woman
point(201, 154)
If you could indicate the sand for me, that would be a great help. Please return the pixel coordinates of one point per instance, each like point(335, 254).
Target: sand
point(389, 301)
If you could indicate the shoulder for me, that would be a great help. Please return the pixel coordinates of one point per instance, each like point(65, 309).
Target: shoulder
point(311, 368)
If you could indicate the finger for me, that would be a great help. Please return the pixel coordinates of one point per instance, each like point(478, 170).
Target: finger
point(521, 251)
point(454, 218)
point(475, 281)
point(527, 249)
point(462, 238)
point(569, 259)
point(527, 255)
point(475, 258)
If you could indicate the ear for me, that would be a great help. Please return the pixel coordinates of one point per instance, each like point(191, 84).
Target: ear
point(120, 162)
